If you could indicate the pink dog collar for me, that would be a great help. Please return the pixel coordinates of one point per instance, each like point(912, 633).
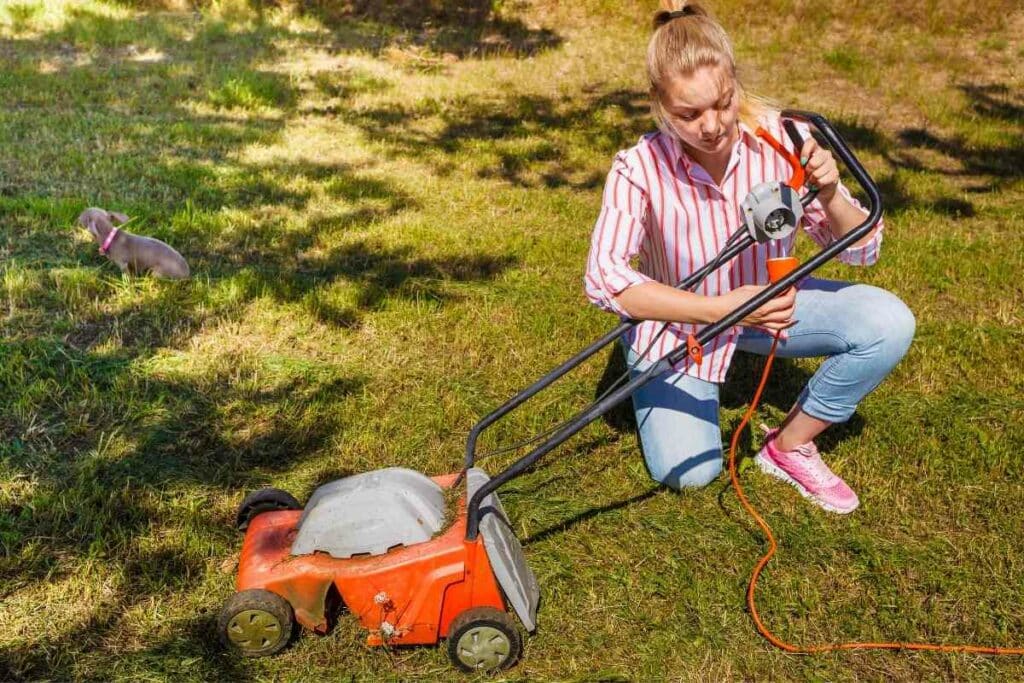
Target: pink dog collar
point(110, 240)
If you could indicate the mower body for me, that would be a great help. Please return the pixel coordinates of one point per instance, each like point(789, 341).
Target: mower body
point(398, 558)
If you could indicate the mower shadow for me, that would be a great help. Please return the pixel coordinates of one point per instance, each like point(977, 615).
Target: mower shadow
point(562, 527)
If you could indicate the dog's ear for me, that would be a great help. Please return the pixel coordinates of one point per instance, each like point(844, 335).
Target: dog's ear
point(117, 218)
point(89, 223)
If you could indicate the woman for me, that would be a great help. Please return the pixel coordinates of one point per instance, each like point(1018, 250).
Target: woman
point(670, 203)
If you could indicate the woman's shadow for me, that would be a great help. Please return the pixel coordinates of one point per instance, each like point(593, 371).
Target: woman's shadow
point(787, 380)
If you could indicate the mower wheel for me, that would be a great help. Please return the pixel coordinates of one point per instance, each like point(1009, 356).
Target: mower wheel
point(264, 500)
point(255, 623)
point(484, 639)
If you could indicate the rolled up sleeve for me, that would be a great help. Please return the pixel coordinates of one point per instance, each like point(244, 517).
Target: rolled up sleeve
point(618, 233)
point(816, 222)
point(817, 226)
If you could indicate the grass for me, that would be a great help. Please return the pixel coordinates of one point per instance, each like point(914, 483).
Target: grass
point(386, 221)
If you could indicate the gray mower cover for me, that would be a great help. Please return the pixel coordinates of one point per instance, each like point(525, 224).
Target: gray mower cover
point(373, 512)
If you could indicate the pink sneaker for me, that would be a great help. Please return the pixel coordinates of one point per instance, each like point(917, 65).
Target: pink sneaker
point(808, 473)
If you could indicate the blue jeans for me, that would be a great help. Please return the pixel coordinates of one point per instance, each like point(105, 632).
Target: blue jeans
point(863, 330)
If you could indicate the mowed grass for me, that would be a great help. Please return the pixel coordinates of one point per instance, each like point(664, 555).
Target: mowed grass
point(387, 216)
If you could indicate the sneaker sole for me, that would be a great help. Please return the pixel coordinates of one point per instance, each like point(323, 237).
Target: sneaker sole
point(774, 470)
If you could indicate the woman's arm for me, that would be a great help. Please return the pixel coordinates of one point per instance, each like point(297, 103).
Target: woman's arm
point(842, 216)
point(611, 282)
point(657, 301)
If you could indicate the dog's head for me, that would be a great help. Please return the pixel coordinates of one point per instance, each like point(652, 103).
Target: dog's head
point(99, 222)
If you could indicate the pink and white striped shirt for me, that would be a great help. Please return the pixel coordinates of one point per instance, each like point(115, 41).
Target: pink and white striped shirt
point(663, 217)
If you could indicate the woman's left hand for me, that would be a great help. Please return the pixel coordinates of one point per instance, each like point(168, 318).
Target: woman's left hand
point(821, 169)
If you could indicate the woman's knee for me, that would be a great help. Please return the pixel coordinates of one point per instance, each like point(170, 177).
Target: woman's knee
point(882, 321)
point(696, 471)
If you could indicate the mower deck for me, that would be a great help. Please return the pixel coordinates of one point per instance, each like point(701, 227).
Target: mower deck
point(409, 594)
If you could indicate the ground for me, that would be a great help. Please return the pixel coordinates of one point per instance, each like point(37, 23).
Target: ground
point(387, 213)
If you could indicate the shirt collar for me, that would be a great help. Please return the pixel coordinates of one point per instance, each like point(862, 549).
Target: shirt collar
point(747, 137)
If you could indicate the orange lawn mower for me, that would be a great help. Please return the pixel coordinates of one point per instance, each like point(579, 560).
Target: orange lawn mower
point(419, 559)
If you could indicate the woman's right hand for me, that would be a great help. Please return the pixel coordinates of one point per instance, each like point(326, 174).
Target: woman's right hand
point(775, 314)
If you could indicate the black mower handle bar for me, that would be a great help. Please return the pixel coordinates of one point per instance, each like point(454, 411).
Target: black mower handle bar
point(588, 415)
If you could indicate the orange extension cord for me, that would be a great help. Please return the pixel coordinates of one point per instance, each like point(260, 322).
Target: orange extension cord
point(773, 546)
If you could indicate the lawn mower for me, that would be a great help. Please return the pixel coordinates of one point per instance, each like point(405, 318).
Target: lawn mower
point(421, 558)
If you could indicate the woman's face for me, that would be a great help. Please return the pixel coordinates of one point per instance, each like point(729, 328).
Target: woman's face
point(703, 108)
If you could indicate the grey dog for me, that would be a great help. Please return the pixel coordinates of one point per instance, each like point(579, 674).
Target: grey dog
point(133, 254)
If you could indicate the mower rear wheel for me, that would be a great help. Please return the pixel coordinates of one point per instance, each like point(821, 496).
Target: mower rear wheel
point(484, 639)
point(255, 623)
point(264, 500)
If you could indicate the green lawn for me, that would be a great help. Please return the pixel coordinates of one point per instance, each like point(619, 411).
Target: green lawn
point(387, 214)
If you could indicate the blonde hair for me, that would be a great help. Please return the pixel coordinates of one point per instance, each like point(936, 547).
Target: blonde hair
point(686, 38)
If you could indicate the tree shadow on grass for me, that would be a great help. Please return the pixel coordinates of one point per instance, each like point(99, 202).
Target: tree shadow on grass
point(194, 651)
point(168, 171)
point(91, 505)
point(465, 28)
point(1000, 163)
point(189, 433)
point(337, 288)
point(311, 263)
point(526, 140)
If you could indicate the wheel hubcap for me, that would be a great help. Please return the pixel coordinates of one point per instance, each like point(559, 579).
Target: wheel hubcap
point(254, 629)
point(483, 647)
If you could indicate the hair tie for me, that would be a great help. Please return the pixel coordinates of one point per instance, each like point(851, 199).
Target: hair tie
point(685, 12)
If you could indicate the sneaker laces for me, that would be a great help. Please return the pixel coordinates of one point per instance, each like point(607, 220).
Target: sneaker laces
point(819, 471)
point(815, 466)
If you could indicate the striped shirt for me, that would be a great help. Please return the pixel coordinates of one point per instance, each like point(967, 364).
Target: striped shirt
point(663, 217)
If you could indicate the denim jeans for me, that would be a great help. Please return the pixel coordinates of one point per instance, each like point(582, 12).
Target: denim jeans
point(864, 331)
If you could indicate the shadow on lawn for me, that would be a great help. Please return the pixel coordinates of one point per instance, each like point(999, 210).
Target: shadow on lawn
point(561, 527)
point(527, 140)
point(177, 170)
point(176, 436)
point(465, 28)
point(785, 384)
point(90, 506)
point(997, 164)
point(995, 104)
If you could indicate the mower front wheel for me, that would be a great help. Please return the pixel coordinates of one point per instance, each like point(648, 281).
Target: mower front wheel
point(484, 639)
point(255, 623)
point(264, 500)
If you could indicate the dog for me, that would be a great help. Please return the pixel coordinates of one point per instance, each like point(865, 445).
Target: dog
point(133, 254)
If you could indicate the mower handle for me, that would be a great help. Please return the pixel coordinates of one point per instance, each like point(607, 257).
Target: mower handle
point(598, 409)
point(694, 279)
point(690, 282)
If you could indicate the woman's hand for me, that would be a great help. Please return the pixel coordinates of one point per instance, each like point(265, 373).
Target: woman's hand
point(775, 314)
point(821, 168)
